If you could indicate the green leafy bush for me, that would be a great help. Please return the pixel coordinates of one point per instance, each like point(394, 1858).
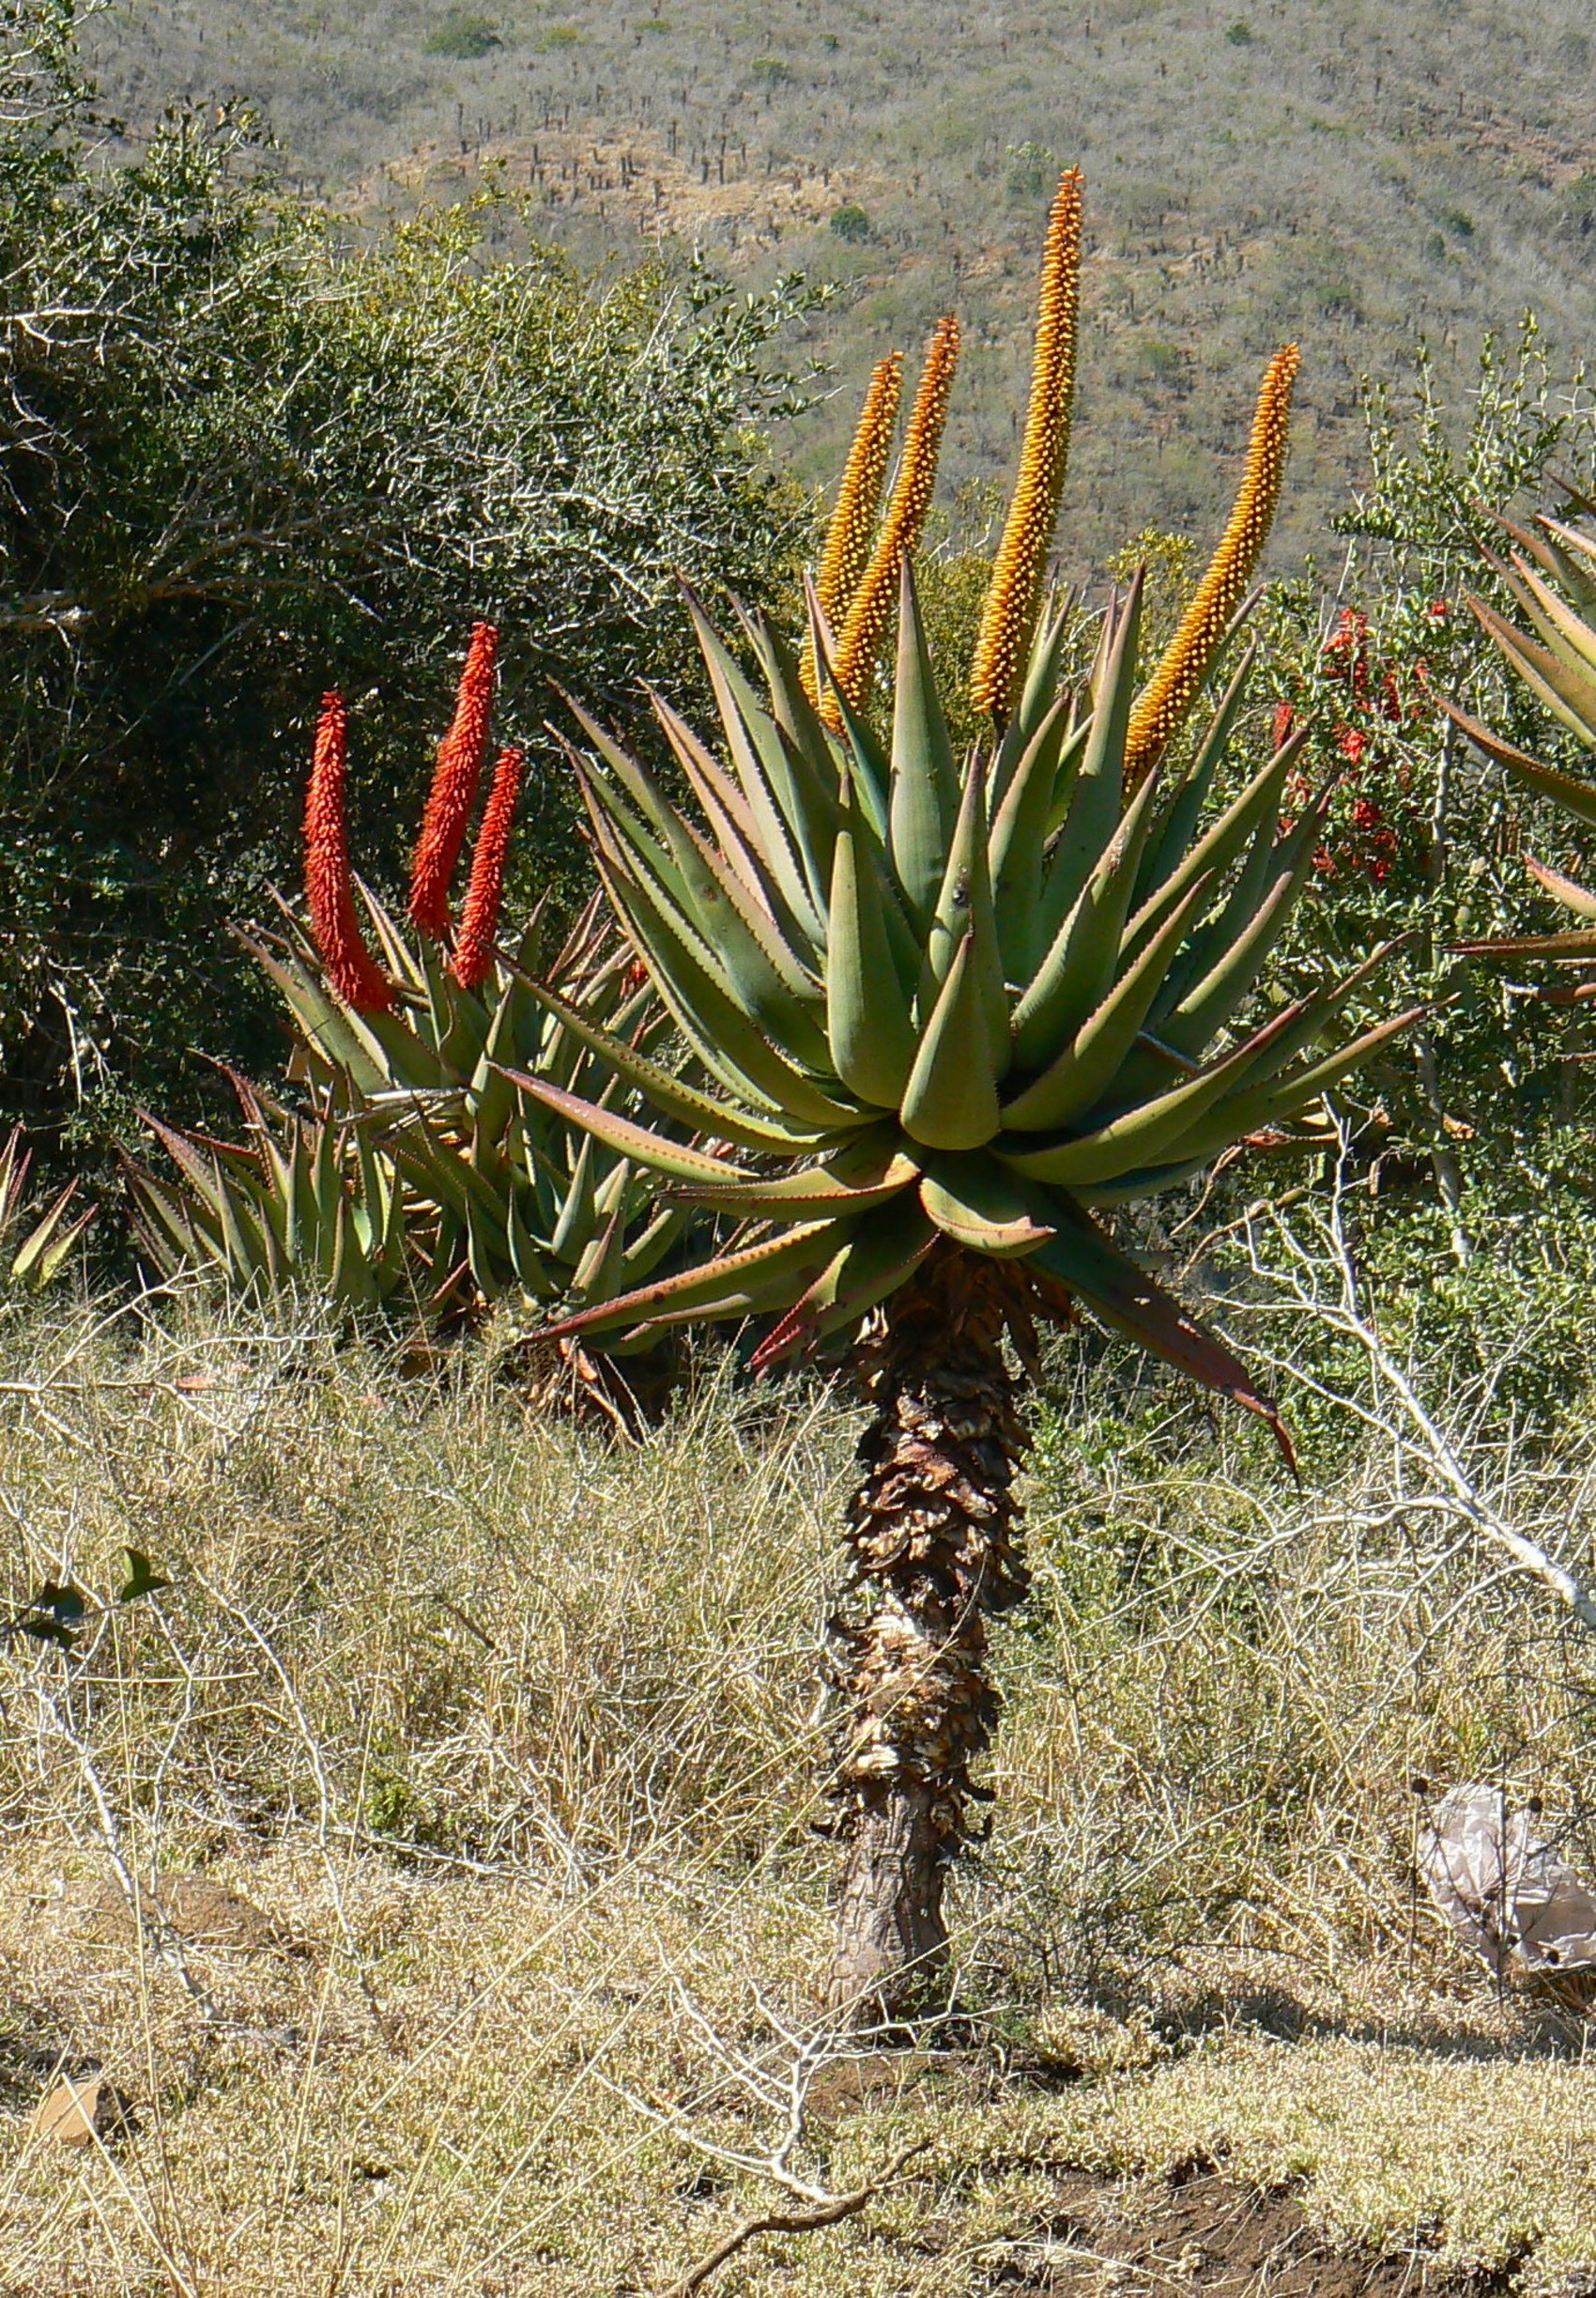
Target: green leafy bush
point(1033, 170)
point(241, 455)
point(1423, 838)
point(465, 36)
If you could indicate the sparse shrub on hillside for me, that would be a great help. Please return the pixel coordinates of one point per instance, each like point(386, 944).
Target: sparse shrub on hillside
point(465, 36)
point(241, 458)
point(1033, 170)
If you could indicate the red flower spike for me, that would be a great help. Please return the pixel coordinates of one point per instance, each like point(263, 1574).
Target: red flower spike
point(1286, 722)
point(479, 919)
point(350, 967)
point(454, 787)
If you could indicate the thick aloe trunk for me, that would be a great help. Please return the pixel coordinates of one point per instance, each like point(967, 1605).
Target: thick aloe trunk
point(933, 1532)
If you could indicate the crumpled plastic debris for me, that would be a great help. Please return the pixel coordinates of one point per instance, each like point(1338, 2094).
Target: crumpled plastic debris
point(1504, 1889)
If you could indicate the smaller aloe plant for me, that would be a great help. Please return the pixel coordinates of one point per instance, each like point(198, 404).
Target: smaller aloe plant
point(33, 1245)
point(420, 1171)
point(1550, 565)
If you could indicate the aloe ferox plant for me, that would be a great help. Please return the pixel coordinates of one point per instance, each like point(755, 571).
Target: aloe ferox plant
point(413, 1174)
point(944, 1011)
point(1550, 574)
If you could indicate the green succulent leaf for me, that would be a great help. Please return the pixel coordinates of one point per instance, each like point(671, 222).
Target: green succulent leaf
point(1098, 791)
point(864, 1272)
point(963, 914)
point(951, 1101)
point(651, 1150)
point(1565, 790)
point(1171, 842)
point(815, 1193)
point(972, 1200)
point(1093, 1058)
point(1016, 851)
point(872, 1041)
point(1213, 1003)
point(1079, 968)
point(767, 1275)
point(1096, 1270)
point(670, 1095)
point(1567, 692)
point(1142, 1135)
point(924, 794)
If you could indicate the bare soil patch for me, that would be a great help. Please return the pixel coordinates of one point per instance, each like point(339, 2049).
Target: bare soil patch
point(1204, 2232)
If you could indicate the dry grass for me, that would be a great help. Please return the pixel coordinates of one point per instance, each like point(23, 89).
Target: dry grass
point(513, 1738)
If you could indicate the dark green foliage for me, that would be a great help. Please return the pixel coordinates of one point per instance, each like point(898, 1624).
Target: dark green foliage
point(849, 221)
point(464, 36)
point(58, 1612)
point(1424, 836)
point(241, 460)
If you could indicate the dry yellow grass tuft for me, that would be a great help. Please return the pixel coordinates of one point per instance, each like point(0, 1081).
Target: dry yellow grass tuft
point(490, 1752)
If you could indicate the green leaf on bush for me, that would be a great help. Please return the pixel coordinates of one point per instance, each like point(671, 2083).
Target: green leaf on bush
point(142, 1579)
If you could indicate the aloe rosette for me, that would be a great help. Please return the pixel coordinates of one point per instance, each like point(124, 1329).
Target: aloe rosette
point(948, 1012)
point(967, 1005)
point(1550, 574)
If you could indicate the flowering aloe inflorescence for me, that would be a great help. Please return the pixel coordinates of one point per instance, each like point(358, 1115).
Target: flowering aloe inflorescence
point(852, 526)
point(858, 643)
point(453, 788)
point(419, 1172)
point(1008, 616)
point(485, 891)
point(1179, 678)
point(351, 970)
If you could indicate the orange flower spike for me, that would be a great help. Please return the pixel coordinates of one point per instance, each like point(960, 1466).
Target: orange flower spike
point(454, 787)
point(350, 967)
point(484, 892)
point(1161, 707)
point(847, 552)
point(859, 643)
point(1008, 616)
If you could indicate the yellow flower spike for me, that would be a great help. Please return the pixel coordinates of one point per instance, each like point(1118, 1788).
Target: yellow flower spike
point(1164, 701)
point(847, 552)
point(1009, 613)
point(859, 643)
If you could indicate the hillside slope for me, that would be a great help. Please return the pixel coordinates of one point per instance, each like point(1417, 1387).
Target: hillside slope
point(1345, 172)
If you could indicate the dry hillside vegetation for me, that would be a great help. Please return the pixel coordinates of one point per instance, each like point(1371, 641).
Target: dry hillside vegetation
point(426, 1872)
point(1348, 173)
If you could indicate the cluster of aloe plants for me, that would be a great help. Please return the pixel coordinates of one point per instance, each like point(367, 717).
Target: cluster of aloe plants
point(880, 1032)
point(36, 1244)
point(410, 1169)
